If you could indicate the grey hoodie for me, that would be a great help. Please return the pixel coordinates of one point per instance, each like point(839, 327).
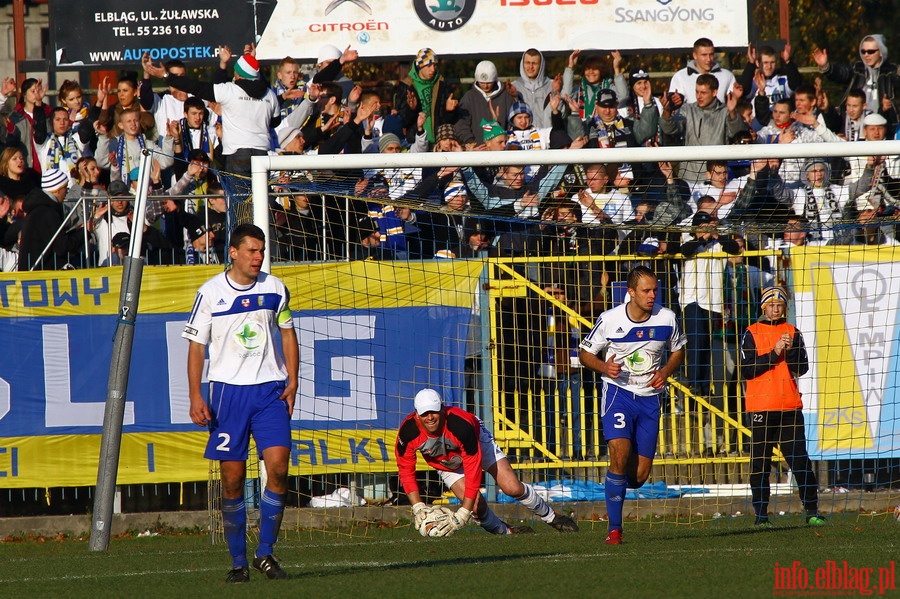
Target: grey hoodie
point(534, 92)
point(871, 88)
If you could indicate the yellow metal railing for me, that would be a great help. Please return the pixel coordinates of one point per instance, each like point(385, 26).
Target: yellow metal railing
point(692, 430)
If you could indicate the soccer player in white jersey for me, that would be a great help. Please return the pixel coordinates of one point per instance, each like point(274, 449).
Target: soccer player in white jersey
point(636, 336)
point(241, 314)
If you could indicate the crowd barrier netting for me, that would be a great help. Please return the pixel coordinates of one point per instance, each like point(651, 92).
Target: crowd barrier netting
point(398, 284)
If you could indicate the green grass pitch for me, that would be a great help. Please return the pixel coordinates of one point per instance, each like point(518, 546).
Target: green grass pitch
point(712, 559)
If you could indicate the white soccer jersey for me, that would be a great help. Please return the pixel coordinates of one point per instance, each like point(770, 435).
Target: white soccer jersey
point(638, 346)
point(240, 326)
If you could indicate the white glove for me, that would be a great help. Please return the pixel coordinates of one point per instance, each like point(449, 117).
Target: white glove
point(420, 510)
point(454, 522)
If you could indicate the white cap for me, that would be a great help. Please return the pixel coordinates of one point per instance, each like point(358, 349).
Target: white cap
point(428, 400)
point(486, 72)
point(328, 52)
point(286, 134)
point(874, 120)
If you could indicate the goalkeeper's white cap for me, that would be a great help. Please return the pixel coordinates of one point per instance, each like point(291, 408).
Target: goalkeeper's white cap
point(428, 400)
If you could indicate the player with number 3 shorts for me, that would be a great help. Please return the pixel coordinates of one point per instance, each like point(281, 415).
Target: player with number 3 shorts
point(643, 347)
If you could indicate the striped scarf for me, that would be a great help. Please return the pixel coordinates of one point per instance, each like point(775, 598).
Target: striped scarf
point(187, 145)
point(122, 157)
point(60, 152)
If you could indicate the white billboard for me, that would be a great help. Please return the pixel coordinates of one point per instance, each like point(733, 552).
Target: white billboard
point(392, 28)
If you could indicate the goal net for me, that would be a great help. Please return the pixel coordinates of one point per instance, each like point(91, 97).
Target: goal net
point(478, 274)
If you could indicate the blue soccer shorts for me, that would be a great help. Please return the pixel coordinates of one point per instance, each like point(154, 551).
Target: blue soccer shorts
point(629, 416)
point(241, 410)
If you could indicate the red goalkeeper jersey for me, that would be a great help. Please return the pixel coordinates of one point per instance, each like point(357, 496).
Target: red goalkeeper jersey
point(455, 446)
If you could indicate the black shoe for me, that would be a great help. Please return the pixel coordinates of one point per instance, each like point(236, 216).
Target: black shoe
point(520, 530)
point(564, 524)
point(241, 574)
point(268, 565)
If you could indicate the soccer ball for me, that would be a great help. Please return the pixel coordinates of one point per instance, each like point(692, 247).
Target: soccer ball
point(436, 516)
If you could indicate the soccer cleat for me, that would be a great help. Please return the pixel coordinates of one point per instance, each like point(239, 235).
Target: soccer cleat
point(614, 537)
point(563, 523)
point(268, 565)
point(816, 521)
point(520, 530)
point(241, 574)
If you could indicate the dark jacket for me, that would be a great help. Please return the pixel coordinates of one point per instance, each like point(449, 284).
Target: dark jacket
point(43, 217)
point(441, 91)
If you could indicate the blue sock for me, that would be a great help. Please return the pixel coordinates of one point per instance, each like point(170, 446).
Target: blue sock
point(615, 497)
point(234, 516)
point(271, 510)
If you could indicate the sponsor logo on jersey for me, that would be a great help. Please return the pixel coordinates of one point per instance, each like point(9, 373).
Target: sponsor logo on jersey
point(189, 330)
point(251, 336)
point(639, 362)
point(619, 330)
point(221, 302)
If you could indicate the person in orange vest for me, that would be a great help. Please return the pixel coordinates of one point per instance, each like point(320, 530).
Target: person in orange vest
point(773, 356)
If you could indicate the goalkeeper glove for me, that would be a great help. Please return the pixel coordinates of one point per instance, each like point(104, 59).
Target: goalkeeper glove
point(420, 510)
point(454, 522)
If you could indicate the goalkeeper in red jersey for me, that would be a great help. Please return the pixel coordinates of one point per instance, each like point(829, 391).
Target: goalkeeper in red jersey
point(456, 444)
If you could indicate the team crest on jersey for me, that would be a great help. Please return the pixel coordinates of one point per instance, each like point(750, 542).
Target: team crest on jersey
point(260, 300)
point(639, 334)
point(650, 333)
point(245, 302)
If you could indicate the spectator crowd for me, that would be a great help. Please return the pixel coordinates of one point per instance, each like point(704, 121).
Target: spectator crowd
point(68, 175)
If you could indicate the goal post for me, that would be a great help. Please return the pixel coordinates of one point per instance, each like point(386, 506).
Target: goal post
point(498, 332)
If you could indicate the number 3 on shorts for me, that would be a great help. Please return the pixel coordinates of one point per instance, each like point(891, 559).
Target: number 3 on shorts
point(620, 420)
point(226, 439)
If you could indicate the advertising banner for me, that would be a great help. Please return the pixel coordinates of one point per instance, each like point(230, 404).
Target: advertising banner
point(117, 32)
point(361, 365)
point(847, 309)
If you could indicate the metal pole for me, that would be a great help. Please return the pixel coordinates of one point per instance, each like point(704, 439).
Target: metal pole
point(260, 199)
point(119, 369)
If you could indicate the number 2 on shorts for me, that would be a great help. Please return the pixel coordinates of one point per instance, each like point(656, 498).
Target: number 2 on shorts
point(226, 439)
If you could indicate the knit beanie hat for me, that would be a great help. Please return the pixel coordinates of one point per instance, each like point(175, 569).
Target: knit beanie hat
point(491, 129)
point(772, 294)
point(425, 57)
point(518, 108)
point(53, 179)
point(444, 131)
point(455, 189)
point(247, 67)
point(486, 72)
point(387, 139)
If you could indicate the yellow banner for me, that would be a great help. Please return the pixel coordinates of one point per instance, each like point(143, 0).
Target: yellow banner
point(344, 285)
point(847, 302)
point(72, 460)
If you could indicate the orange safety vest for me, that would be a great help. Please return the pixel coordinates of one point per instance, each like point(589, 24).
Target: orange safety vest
point(776, 389)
